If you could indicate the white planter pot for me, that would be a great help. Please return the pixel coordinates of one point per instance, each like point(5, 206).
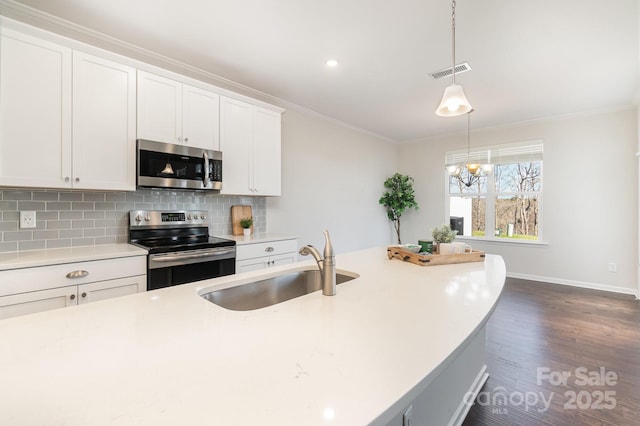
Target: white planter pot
point(246, 232)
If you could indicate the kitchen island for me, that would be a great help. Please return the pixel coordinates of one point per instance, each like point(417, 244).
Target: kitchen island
point(398, 336)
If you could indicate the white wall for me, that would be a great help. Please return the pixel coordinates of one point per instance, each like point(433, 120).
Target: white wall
point(332, 177)
point(590, 210)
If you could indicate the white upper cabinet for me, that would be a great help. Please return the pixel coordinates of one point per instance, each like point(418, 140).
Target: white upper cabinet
point(250, 141)
point(172, 112)
point(104, 124)
point(266, 151)
point(64, 129)
point(200, 118)
point(70, 115)
point(236, 136)
point(35, 111)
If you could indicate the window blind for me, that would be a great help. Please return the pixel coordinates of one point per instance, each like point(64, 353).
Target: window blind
point(519, 152)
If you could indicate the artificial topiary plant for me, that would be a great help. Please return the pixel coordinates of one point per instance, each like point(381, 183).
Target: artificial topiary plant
point(398, 198)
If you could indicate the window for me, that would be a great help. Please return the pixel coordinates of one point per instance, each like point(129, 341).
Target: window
point(504, 199)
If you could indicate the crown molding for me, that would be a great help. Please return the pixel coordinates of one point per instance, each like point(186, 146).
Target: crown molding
point(28, 15)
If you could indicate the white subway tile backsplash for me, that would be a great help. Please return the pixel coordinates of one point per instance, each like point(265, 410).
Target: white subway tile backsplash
point(17, 236)
point(70, 196)
point(45, 235)
point(83, 242)
point(58, 224)
point(8, 246)
point(31, 205)
point(94, 214)
point(70, 215)
point(94, 196)
point(71, 233)
point(45, 196)
point(94, 232)
point(74, 218)
point(12, 194)
point(31, 245)
point(58, 205)
point(59, 243)
point(81, 205)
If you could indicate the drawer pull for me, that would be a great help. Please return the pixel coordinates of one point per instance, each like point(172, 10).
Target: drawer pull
point(72, 297)
point(84, 295)
point(77, 274)
point(269, 249)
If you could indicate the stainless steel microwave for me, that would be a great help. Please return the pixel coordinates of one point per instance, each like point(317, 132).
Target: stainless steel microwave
point(165, 165)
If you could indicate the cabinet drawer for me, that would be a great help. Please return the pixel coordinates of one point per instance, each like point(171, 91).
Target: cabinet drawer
point(248, 251)
point(38, 301)
point(23, 280)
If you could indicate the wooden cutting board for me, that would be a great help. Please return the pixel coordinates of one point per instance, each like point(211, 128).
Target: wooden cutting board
point(237, 213)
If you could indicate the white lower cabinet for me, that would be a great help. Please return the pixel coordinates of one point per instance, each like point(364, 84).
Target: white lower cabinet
point(261, 255)
point(30, 290)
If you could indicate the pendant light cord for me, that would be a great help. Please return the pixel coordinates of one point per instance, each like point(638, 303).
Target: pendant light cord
point(469, 136)
point(453, 39)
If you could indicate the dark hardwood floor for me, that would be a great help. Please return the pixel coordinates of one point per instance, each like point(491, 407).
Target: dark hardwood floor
point(560, 355)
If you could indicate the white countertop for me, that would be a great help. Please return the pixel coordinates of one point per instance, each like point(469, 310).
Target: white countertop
point(32, 258)
point(258, 237)
point(169, 357)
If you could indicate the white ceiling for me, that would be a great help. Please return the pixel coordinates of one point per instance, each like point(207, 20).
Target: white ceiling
point(530, 58)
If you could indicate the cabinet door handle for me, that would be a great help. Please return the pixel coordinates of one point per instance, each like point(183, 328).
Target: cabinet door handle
point(268, 249)
point(72, 297)
point(77, 179)
point(66, 179)
point(77, 274)
point(84, 295)
point(186, 140)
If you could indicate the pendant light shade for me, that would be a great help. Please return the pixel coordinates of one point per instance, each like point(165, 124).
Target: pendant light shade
point(453, 102)
point(168, 169)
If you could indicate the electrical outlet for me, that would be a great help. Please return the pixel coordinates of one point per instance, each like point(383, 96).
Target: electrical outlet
point(27, 219)
point(613, 267)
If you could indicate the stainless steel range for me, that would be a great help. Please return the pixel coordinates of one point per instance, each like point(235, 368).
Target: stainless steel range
point(180, 248)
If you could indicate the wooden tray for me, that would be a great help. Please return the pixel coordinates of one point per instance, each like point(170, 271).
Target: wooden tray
point(395, 252)
point(237, 213)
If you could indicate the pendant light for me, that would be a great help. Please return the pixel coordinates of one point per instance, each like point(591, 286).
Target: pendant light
point(472, 167)
point(453, 102)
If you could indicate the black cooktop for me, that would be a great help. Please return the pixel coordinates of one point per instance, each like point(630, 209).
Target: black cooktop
point(169, 244)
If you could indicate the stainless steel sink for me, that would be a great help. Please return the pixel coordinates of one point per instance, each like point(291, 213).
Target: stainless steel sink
point(269, 291)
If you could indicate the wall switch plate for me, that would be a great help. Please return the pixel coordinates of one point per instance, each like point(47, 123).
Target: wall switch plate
point(27, 219)
point(613, 267)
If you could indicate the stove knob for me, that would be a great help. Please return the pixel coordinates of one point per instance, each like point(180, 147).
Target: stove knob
point(203, 217)
point(138, 218)
point(147, 218)
point(189, 217)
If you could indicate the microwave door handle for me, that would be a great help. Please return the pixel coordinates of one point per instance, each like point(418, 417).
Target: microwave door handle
point(206, 180)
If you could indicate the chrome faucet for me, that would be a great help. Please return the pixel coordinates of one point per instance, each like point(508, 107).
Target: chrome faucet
point(327, 264)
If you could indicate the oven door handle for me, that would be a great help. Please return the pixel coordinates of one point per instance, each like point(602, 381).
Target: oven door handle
point(206, 180)
point(174, 257)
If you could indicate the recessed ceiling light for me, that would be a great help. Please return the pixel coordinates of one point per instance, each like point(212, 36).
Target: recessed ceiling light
point(332, 63)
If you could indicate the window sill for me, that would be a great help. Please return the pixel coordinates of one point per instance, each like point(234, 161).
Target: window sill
point(502, 241)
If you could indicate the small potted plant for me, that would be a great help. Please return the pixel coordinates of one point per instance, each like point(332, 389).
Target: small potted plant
point(246, 224)
point(443, 235)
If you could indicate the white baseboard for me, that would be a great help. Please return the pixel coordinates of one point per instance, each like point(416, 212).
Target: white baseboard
point(572, 283)
point(469, 398)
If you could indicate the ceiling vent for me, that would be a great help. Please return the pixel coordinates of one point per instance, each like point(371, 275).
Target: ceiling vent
point(460, 68)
